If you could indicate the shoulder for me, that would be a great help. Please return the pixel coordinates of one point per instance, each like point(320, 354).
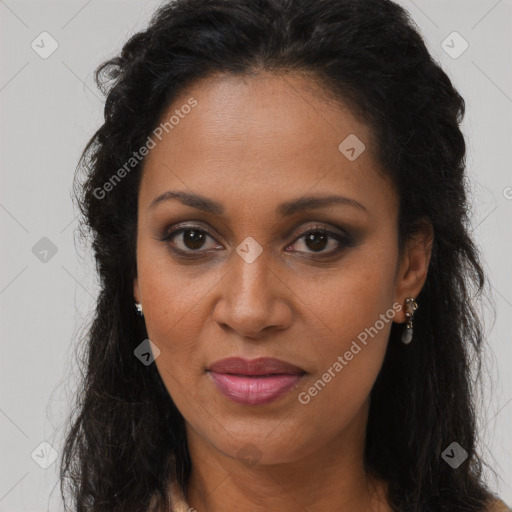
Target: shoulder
point(496, 505)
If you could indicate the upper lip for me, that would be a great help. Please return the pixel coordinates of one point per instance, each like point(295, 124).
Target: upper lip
point(259, 366)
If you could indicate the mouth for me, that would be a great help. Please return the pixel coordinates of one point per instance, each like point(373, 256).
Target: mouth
point(256, 381)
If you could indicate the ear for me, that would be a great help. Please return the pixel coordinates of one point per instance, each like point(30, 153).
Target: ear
point(136, 295)
point(413, 267)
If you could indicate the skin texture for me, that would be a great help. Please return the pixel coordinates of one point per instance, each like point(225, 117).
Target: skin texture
point(252, 143)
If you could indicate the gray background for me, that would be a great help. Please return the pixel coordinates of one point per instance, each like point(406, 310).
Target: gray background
point(49, 109)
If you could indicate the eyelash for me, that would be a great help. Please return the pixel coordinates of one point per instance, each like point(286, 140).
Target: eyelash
point(343, 240)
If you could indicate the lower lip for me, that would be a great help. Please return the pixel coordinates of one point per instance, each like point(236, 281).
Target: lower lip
point(254, 390)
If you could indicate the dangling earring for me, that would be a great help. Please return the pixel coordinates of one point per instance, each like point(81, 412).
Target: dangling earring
point(138, 305)
point(410, 308)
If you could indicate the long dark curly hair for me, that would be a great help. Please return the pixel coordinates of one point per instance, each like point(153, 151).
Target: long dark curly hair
point(126, 438)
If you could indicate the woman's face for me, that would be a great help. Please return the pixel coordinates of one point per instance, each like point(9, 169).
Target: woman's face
point(253, 277)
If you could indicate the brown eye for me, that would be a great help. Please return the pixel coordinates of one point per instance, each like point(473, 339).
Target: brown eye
point(318, 239)
point(192, 239)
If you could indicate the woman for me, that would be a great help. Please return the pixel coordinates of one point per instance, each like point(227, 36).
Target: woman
point(279, 188)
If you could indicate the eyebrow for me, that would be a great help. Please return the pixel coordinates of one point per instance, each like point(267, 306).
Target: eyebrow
point(284, 209)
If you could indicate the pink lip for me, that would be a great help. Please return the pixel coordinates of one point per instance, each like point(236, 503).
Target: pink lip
point(256, 389)
point(257, 381)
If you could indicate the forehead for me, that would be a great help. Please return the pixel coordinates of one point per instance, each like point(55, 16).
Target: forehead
point(266, 136)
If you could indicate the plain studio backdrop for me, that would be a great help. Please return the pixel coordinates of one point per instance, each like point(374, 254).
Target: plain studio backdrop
point(49, 109)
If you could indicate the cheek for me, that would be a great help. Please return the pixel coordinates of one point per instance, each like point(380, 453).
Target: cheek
point(172, 303)
point(173, 293)
point(347, 363)
point(343, 303)
point(354, 315)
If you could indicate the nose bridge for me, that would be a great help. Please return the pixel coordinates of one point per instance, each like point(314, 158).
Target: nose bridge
point(249, 301)
point(250, 279)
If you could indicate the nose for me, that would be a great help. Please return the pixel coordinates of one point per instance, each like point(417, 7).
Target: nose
point(254, 299)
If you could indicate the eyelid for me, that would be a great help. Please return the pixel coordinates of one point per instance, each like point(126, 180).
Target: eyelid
point(340, 235)
point(300, 232)
point(188, 225)
point(184, 227)
point(295, 233)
